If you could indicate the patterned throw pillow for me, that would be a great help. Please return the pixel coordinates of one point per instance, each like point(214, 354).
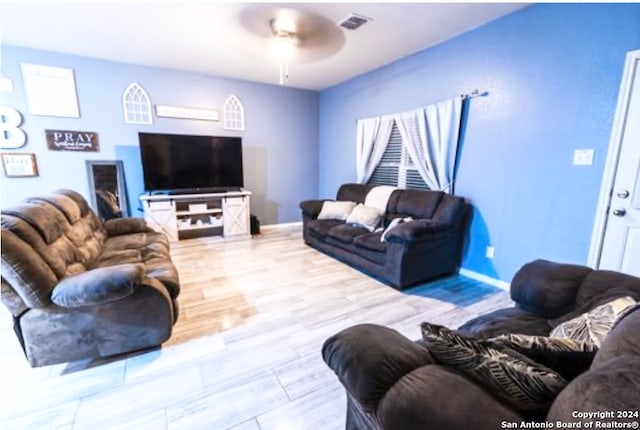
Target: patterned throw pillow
point(593, 326)
point(336, 210)
point(518, 381)
point(568, 357)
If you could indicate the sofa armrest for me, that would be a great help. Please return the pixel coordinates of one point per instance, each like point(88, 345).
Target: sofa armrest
point(121, 226)
point(417, 230)
point(312, 208)
point(434, 397)
point(546, 288)
point(98, 286)
point(369, 359)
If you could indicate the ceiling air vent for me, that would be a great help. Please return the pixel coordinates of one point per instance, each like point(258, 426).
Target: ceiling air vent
point(353, 21)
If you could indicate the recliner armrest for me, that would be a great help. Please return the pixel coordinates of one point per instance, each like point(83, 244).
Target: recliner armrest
point(312, 208)
point(369, 359)
point(434, 397)
point(98, 286)
point(121, 226)
point(547, 288)
point(416, 230)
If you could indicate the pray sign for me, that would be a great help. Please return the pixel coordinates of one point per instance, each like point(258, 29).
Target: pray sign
point(65, 140)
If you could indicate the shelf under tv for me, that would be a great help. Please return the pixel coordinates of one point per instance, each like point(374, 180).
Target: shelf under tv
point(179, 213)
point(199, 212)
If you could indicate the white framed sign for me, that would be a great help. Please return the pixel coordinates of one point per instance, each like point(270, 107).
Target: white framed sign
point(187, 113)
point(19, 165)
point(50, 91)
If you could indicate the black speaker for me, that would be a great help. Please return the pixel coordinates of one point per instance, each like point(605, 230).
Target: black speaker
point(255, 225)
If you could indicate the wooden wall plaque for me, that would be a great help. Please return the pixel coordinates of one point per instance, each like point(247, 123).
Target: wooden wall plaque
point(67, 140)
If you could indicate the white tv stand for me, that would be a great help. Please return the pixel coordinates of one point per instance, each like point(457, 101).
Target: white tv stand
point(185, 216)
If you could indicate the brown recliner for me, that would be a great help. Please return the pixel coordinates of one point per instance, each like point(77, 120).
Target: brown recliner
point(79, 288)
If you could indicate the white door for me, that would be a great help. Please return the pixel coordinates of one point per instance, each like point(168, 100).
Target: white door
point(621, 239)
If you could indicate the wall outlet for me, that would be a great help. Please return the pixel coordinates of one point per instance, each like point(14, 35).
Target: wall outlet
point(490, 252)
point(583, 157)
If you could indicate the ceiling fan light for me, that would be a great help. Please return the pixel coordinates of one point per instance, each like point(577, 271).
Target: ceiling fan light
point(284, 24)
point(283, 47)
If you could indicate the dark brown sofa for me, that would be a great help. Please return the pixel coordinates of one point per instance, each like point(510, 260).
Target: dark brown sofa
point(394, 383)
point(415, 251)
point(79, 288)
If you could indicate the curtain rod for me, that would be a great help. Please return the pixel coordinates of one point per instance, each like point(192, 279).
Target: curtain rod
point(473, 94)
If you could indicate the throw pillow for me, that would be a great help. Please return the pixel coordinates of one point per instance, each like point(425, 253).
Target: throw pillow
point(336, 210)
point(394, 222)
point(365, 216)
point(593, 326)
point(568, 357)
point(518, 381)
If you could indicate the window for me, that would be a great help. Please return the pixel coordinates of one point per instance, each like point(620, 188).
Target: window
point(396, 167)
point(136, 105)
point(233, 114)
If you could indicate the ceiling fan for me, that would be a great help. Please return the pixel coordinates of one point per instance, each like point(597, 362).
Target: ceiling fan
point(292, 35)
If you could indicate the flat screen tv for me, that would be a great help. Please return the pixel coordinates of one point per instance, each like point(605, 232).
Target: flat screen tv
point(187, 163)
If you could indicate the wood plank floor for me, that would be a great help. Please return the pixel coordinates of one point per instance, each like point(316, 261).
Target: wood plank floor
point(245, 354)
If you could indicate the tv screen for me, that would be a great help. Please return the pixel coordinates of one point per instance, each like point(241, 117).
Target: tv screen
point(176, 162)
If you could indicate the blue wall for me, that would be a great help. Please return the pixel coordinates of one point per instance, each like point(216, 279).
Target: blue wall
point(279, 143)
point(552, 73)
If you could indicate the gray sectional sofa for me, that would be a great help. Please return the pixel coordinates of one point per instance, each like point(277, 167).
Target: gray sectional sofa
point(78, 288)
point(426, 247)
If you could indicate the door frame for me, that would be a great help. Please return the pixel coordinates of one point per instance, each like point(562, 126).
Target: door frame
point(632, 62)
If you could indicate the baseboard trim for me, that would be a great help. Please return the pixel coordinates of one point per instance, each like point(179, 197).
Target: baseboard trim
point(282, 225)
point(484, 278)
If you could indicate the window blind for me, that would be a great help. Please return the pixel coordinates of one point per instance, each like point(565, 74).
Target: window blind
point(396, 167)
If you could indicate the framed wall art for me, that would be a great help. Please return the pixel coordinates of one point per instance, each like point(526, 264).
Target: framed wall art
point(19, 165)
point(50, 91)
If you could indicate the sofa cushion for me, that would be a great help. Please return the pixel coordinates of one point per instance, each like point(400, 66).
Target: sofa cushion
point(336, 210)
point(518, 381)
point(414, 203)
point(623, 339)
point(613, 386)
point(368, 246)
point(371, 241)
point(365, 216)
point(593, 326)
point(98, 286)
point(43, 218)
point(320, 227)
point(122, 226)
point(353, 192)
point(507, 320)
point(151, 249)
point(602, 286)
point(346, 233)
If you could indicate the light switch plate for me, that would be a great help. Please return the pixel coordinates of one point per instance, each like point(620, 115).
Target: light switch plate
point(6, 84)
point(583, 157)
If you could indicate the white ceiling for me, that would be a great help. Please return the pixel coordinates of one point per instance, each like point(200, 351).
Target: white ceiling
point(232, 39)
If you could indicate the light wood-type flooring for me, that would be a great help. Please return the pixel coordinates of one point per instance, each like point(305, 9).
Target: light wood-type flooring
point(245, 354)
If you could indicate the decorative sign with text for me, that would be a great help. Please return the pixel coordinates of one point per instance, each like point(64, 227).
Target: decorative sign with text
point(65, 140)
